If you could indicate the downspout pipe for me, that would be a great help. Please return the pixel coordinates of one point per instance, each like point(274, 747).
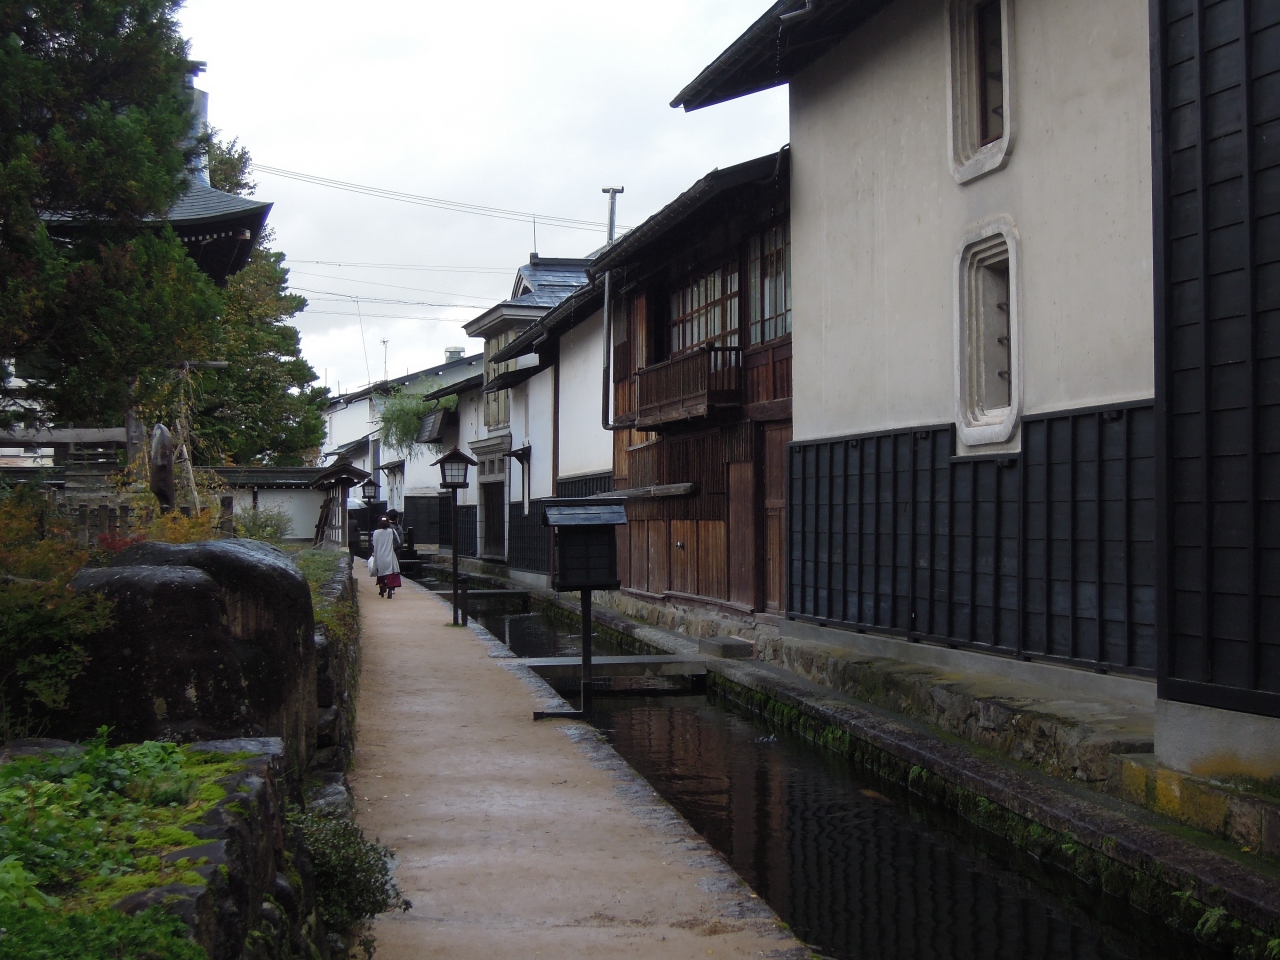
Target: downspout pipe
point(606, 404)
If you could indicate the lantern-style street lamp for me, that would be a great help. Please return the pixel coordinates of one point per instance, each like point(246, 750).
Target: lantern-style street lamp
point(369, 493)
point(453, 477)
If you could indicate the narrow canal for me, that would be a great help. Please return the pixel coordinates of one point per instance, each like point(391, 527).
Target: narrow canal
point(859, 868)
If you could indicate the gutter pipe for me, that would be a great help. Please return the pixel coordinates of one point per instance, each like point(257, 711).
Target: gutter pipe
point(606, 405)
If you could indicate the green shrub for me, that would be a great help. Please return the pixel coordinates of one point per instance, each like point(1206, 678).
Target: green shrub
point(352, 874)
point(41, 619)
point(102, 935)
point(271, 524)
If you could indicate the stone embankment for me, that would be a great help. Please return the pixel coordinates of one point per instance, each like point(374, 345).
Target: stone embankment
point(216, 643)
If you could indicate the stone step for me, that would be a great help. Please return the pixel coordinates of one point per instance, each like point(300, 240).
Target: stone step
point(559, 668)
point(1235, 811)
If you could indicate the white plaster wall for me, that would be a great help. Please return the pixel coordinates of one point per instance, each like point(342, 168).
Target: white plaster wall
point(421, 479)
point(585, 446)
point(345, 424)
point(540, 404)
point(470, 429)
point(877, 218)
point(302, 506)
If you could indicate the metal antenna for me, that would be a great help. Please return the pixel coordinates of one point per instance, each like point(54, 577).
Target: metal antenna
point(535, 234)
point(613, 208)
point(385, 341)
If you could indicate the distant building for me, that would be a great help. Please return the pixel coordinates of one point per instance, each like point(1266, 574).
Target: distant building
point(353, 421)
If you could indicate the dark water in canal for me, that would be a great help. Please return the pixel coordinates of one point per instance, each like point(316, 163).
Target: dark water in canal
point(858, 868)
point(532, 635)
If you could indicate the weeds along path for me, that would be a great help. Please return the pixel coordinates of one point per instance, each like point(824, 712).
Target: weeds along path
point(511, 840)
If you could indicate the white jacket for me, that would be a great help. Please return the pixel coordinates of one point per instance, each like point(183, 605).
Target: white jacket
point(384, 553)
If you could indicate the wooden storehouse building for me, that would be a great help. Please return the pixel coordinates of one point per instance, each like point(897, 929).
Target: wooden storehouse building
point(700, 312)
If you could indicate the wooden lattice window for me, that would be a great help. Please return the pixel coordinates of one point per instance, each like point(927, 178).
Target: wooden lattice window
point(497, 406)
point(769, 284)
point(705, 310)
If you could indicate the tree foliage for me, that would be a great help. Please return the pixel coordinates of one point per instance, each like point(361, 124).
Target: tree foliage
point(95, 126)
point(401, 414)
point(264, 408)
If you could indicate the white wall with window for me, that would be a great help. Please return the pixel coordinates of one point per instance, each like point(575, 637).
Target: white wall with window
point(877, 220)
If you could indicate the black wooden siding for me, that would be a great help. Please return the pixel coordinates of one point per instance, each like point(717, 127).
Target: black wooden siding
point(468, 528)
point(528, 539)
point(587, 486)
point(1049, 553)
point(422, 515)
point(1216, 129)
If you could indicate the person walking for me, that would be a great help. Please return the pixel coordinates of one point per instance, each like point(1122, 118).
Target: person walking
point(393, 516)
point(383, 562)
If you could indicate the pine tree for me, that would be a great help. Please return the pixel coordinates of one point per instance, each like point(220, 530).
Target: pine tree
point(97, 303)
point(264, 409)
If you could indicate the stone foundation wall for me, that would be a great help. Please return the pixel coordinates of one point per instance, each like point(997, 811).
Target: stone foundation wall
point(258, 902)
point(337, 672)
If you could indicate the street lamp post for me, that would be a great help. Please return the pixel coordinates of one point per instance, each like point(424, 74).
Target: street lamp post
point(369, 492)
point(453, 477)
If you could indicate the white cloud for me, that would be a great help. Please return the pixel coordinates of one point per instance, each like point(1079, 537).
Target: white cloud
point(515, 105)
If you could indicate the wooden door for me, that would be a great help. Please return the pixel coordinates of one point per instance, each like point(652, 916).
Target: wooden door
point(684, 556)
point(495, 527)
point(659, 557)
point(776, 438)
point(745, 550)
point(713, 574)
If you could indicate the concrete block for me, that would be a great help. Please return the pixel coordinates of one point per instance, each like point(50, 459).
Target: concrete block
point(1216, 743)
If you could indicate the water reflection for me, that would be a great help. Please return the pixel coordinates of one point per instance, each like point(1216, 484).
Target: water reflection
point(855, 867)
point(533, 635)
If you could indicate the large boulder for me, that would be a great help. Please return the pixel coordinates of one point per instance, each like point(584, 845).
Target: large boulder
point(166, 668)
point(253, 612)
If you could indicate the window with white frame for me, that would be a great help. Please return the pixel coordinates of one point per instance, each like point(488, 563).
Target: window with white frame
point(981, 82)
point(769, 284)
point(987, 341)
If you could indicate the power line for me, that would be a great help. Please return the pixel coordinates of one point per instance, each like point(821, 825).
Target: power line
point(402, 266)
point(394, 286)
point(357, 297)
point(497, 213)
point(384, 316)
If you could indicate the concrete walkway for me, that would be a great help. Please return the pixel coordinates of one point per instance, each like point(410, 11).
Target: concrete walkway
point(514, 839)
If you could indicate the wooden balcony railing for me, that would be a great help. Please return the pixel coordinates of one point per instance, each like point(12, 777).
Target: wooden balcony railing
point(691, 385)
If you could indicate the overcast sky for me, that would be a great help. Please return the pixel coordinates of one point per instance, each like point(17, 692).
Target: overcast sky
point(520, 106)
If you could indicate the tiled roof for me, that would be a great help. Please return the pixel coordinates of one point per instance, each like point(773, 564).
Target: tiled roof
point(789, 36)
point(204, 203)
point(277, 477)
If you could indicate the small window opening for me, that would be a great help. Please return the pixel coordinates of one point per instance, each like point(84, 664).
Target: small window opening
point(990, 40)
point(987, 339)
point(993, 299)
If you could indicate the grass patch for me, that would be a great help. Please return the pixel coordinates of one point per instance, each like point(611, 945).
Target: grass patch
point(338, 617)
point(101, 935)
point(80, 832)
